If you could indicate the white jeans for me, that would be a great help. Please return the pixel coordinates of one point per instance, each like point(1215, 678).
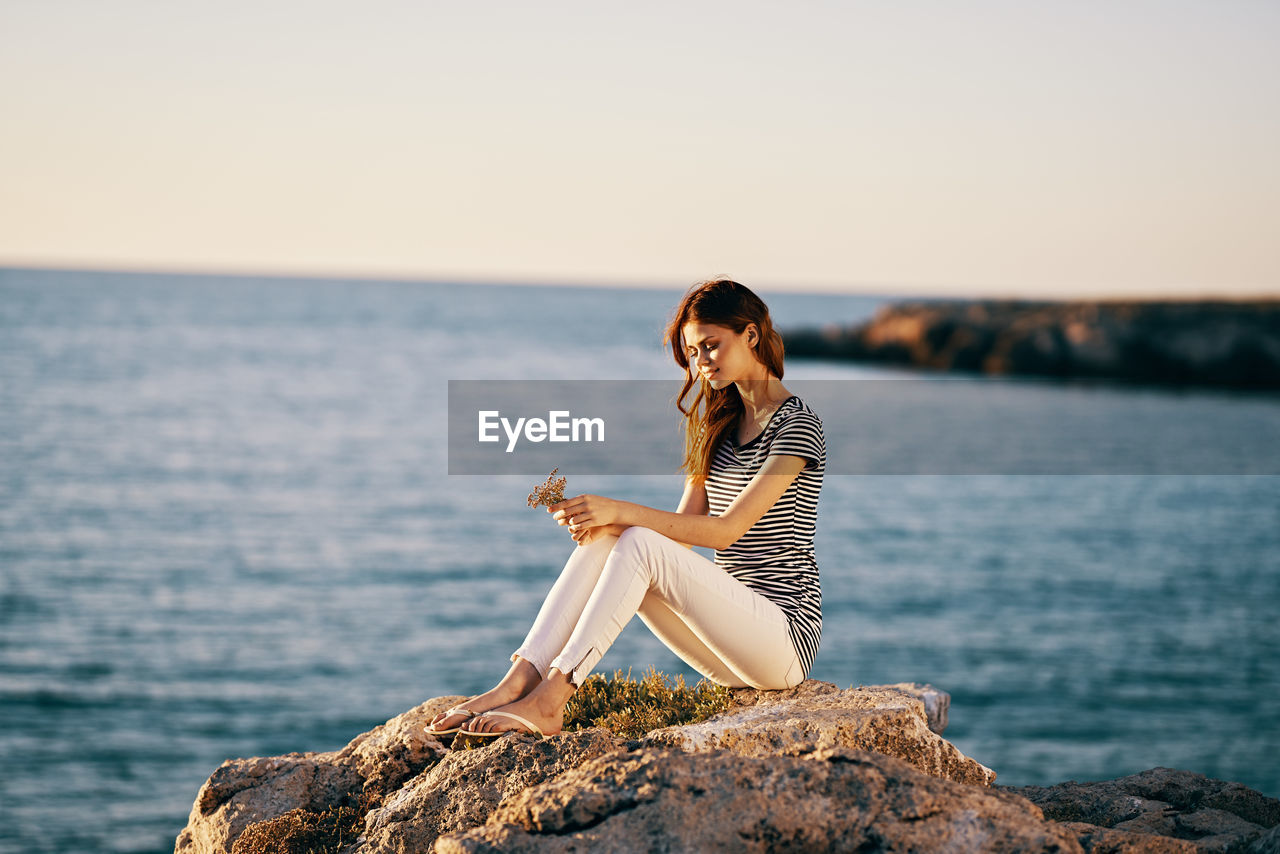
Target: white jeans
point(726, 631)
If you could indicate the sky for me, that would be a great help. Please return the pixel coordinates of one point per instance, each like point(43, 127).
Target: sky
point(987, 148)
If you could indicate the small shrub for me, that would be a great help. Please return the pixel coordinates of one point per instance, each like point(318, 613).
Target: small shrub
point(302, 831)
point(630, 709)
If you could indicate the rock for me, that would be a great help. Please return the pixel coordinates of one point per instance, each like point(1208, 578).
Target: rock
point(419, 799)
point(1268, 843)
point(1164, 803)
point(1212, 343)
point(937, 704)
point(1103, 840)
point(244, 791)
point(888, 719)
point(780, 770)
point(466, 786)
point(654, 799)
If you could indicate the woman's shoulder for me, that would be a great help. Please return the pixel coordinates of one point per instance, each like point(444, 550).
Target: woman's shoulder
point(796, 409)
point(798, 429)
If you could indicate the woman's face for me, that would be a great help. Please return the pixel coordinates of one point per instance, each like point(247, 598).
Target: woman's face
point(720, 354)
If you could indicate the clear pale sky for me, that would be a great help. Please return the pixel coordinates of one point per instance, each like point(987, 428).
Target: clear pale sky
point(986, 148)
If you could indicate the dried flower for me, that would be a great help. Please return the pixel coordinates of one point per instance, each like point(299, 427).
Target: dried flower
point(549, 492)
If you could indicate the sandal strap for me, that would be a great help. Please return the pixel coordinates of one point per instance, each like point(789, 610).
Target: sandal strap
point(465, 712)
point(529, 724)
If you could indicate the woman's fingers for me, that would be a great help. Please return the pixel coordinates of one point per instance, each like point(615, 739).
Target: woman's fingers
point(569, 506)
point(562, 507)
point(575, 514)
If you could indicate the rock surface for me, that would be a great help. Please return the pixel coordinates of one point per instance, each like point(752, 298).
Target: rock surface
point(466, 786)
point(781, 770)
point(829, 800)
point(244, 791)
point(1208, 815)
point(892, 720)
point(1211, 343)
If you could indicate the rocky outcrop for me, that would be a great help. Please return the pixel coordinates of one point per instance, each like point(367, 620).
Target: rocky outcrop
point(892, 720)
point(1204, 814)
point(419, 790)
point(1209, 343)
point(813, 768)
point(374, 764)
point(828, 800)
point(468, 785)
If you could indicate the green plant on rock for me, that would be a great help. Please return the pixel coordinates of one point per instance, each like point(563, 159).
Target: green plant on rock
point(631, 708)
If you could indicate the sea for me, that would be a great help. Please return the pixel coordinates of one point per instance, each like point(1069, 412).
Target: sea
point(228, 529)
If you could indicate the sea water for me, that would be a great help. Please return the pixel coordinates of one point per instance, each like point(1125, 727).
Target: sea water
point(227, 529)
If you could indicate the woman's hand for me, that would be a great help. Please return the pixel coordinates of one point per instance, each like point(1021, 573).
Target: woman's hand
point(587, 516)
point(586, 536)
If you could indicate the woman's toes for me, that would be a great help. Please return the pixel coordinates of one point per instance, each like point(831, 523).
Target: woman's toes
point(442, 720)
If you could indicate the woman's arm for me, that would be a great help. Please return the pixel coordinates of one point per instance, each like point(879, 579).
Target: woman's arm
point(693, 501)
point(716, 532)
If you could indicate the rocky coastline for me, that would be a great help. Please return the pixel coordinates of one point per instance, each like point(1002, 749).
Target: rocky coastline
point(1230, 344)
point(813, 768)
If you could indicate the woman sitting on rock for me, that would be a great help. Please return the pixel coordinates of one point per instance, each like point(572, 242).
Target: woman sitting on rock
point(755, 456)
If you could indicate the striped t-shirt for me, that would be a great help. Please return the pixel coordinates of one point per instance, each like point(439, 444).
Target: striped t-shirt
point(775, 557)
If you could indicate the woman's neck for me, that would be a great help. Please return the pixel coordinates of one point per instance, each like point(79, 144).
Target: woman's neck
point(761, 397)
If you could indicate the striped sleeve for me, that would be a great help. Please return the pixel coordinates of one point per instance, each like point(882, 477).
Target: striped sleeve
point(800, 435)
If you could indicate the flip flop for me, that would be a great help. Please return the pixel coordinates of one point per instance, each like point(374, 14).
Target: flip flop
point(533, 729)
point(452, 730)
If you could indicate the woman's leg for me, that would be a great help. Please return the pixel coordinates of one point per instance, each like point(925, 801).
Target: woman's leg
point(551, 628)
point(673, 629)
point(720, 626)
point(731, 628)
point(563, 606)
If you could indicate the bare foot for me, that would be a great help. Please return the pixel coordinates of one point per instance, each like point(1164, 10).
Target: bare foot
point(521, 679)
point(542, 707)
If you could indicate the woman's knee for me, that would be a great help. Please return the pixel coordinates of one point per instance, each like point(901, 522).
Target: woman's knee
point(603, 544)
point(635, 533)
point(637, 539)
point(639, 550)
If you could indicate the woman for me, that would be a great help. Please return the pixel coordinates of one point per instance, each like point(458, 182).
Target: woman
point(755, 456)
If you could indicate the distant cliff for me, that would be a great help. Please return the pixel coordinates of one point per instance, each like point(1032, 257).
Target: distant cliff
point(1206, 343)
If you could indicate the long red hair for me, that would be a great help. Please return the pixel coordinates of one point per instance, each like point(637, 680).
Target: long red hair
point(714, 412)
